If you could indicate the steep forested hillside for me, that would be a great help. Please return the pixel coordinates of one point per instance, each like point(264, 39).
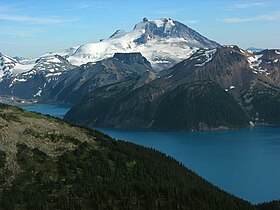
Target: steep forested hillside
point(262, 101)
point(46, 163)
point(200, 105)
point(273, 205)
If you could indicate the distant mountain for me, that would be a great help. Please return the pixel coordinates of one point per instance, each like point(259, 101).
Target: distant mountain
point(73, 85)
point(163, 42)
point(267, 62)
point(22, 82)
point(21, 59)
point(195, 94)
point(10, 66)
point(227, 66)
point(254, 49)
point(168, 28)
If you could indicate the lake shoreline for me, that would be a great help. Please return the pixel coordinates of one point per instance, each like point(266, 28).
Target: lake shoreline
point(220, 128)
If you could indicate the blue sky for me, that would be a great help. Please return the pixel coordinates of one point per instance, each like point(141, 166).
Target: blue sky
point(34, 27)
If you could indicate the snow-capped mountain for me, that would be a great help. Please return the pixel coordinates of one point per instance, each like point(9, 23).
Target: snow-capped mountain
point(22, 59)
point(163, 42)
point(10, 66)
point(29, 79)
point(254, 49)
point(266, 62)
point(19, 66)
point(6, 64)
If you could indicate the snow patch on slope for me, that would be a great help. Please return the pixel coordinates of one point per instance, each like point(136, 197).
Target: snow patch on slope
point(53, 74)
point(205, 56)
point(255, 62)
point(38, 94)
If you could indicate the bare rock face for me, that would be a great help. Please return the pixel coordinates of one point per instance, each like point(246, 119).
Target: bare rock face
point(133, 59)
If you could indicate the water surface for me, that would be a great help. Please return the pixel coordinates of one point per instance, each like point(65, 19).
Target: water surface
point(55, 110)
point(243, 162)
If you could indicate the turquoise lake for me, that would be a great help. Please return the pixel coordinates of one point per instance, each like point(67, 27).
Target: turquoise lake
point(243, 162)
point(50, 109)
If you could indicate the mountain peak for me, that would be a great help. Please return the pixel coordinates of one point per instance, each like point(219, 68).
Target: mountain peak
point(159, 23)
point(145, 20)
point(163, 42)
point(6, 65)
point(169, 28)
point(119, 33)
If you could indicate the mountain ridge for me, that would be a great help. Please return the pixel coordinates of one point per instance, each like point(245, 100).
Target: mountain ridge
point(162, 42)
point(230, 71)
point(160, 30)
point(146, 36)
point(74, 84)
